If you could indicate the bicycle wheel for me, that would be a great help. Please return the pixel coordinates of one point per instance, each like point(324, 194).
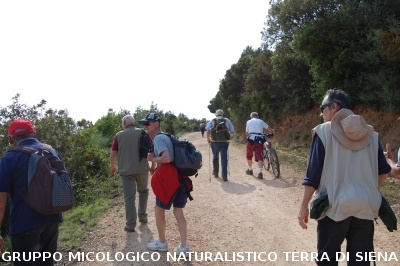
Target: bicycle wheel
point(266, 158)
point(275, 162)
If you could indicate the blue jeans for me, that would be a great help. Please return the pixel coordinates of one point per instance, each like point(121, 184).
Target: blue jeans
point(40, 239)
point(217, 148)
point(130, 184)
point(359, 234)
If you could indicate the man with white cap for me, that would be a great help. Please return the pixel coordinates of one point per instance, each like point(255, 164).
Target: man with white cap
point(346, 167)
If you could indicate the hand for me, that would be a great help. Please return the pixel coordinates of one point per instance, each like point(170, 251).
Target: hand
point(303, 217)
point(388, 153)
point(113, 170)
point(152, 168)
point(151, 157)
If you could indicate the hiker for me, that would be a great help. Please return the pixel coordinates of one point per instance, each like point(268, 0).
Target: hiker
point(218, 135)
point(133, 171)
point(166, 186)
point(395, 167)
point(346, 166)
point(202, 129)
point(30, 231)
point(255, 140)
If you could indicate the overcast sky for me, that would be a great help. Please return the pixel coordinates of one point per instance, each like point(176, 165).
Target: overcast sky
point(87, 56)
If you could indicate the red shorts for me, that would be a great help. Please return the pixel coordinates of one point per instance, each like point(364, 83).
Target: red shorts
point(255, 148)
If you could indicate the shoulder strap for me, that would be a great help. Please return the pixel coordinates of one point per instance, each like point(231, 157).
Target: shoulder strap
point(166, 134)
point(25, 149)
point(30, 150)
point(215, 124)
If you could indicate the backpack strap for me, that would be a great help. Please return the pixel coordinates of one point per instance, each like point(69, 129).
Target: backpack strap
point(25, 149)
point(173, 147)
point(50, 154)
point(183, 181)
point(30, 150)
point(215, 120)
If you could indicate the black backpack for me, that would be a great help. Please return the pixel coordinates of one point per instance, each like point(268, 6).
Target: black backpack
point(145, 145)
point(49, 185)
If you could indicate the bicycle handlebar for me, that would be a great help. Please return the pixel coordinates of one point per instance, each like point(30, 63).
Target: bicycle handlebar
point(269, 135)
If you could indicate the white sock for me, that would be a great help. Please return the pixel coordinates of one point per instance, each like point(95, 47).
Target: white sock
point(260, 170)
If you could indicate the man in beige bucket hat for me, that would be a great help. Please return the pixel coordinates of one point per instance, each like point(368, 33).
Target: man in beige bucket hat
point(347, 166)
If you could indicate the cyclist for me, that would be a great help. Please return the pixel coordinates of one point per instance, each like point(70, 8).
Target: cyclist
point(254, 131)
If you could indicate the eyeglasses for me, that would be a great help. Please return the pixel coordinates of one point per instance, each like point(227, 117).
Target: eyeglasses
point(322, 107)
point(148, 123)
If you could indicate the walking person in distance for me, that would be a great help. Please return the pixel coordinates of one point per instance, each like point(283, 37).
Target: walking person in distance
point(133, 169)
point(219, 132)
point(255, 139)
point(202, 129)
point(345, 170)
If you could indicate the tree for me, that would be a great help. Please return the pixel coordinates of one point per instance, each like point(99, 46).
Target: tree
point(342, 43)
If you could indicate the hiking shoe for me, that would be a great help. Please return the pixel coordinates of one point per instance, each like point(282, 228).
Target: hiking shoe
point(260, 176)
point(225, 179)
point(215, 175)
point(130, 230)
point(179, 250)
point(249, 172)
point(157, 246)
point(143, 221)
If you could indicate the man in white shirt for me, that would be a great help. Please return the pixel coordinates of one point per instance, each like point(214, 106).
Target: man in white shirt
point(255, 140)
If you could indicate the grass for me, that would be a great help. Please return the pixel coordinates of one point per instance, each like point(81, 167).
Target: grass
point(292, 155)
point(77, 222)
point(292, 159)
point(80, 220)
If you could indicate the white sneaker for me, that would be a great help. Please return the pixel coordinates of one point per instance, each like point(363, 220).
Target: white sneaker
point(178, 250)
point(158, 246)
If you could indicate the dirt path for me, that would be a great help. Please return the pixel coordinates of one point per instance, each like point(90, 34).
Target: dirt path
point(252, 219)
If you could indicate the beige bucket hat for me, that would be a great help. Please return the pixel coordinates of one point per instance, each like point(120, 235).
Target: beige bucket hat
point(351, 130)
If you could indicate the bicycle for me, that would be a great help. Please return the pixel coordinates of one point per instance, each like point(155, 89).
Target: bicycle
point(270, 157)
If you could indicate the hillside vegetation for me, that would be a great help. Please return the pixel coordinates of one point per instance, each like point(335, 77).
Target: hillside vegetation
point(310, 46)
